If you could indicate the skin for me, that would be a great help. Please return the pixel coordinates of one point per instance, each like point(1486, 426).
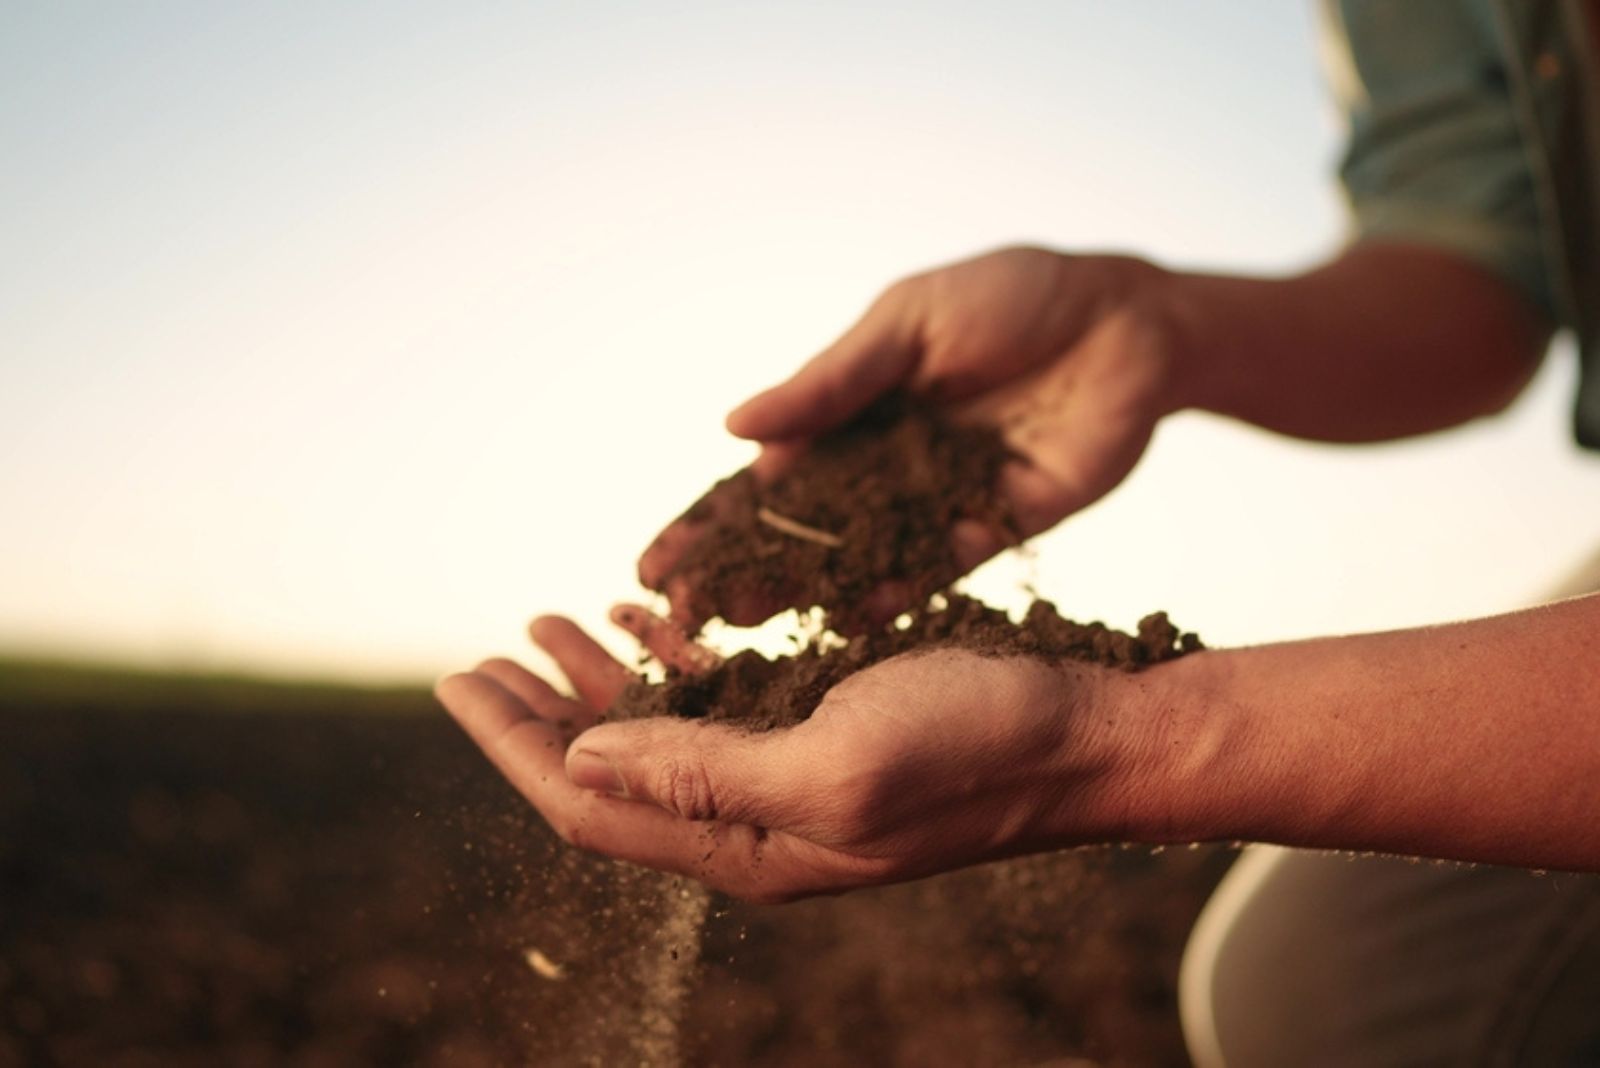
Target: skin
point(1474, 741)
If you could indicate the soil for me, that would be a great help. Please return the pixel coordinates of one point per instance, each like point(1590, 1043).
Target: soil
point(869, 504)
point(326, 878)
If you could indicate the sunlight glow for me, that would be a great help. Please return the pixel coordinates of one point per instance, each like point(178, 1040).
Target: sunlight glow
point(342, 342)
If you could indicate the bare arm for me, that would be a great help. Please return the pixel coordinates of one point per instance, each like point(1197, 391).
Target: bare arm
point(1475, 741)
point(1471, 741)
point(1386, 341)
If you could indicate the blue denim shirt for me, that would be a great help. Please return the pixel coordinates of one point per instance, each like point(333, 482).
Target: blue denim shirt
point(1475, 126)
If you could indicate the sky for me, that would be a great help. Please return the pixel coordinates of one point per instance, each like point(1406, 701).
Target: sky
point(339, 340)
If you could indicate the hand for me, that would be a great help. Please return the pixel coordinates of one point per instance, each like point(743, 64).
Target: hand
point(1066, 355)
point(917, 765)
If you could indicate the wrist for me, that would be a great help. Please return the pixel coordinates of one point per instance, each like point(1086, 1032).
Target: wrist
point(1238, 747)
point(1138, 759)
point(1204, 323)
point(1182, 745)
point(1133, 328)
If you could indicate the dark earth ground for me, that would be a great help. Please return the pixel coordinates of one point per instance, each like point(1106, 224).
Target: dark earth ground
point(221, 872)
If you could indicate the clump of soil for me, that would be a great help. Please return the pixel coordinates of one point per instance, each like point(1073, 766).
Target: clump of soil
point(866, 505)
point(762, 694)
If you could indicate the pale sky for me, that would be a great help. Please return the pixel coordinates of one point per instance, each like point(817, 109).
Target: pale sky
point(340, 339)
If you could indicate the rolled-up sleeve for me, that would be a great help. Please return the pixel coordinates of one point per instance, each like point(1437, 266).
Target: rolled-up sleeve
point(1435, 153)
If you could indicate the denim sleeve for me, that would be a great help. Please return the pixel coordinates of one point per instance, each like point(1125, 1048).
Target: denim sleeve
point(1435, 152)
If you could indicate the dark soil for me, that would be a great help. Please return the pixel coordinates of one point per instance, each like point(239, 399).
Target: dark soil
point(869, 504)
point(276, 877)
point(762, 694)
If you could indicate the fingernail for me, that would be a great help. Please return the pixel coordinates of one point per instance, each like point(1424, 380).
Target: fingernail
point(590, 770)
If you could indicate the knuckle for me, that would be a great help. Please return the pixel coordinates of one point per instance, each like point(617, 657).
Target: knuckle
point(897, 291)
point(684, 787)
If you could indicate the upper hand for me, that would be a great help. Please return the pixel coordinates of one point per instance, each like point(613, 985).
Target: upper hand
point(917, 765)
point(1066, 355)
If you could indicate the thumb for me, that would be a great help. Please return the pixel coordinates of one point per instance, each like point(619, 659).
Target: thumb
point(693, 769)
point(874, 356)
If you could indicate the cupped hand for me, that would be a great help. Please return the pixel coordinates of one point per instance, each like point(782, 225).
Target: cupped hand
point(920, 764)
point(1068, 355)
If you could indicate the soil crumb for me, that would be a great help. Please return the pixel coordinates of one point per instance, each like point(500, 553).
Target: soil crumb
point(867, 505)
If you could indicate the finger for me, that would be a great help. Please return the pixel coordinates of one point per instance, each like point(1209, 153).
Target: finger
point(743, 861)
point(729, 498)
point(877, 353)
point(538, 695)
point(775, 458)
point(884, 603)
point(722, 504)
point(738, 859)
point(746, 862)
point(687, 606)
point(527, 750)
point(665, 639)
point(973, 541)
point(1037, 499)
point(661, 556)
point(593, 672)
point(690, 607)
point(696, 770)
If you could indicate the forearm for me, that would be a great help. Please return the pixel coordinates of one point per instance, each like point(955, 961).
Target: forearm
point(1474, 741)
point(1385, 341)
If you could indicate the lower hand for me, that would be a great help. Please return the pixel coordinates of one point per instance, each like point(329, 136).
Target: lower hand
point(920, 764)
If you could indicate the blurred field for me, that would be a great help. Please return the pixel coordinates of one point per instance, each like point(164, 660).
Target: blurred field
point(201, 871)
